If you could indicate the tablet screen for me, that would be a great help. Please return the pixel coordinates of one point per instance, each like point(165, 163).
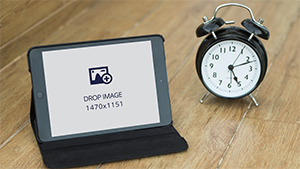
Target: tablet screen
point(100, 87)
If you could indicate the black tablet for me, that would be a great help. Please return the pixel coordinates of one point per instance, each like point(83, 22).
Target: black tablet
point(99, 87)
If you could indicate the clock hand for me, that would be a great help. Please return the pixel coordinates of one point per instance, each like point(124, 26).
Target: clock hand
point(230, 67)
point(238, 55)
point(245, 63)
point(234, 77)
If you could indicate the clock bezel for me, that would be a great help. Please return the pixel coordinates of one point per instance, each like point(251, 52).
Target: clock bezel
point(238, 34)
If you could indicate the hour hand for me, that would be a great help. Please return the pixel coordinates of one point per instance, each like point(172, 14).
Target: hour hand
point(235, 78)
point(230, 67)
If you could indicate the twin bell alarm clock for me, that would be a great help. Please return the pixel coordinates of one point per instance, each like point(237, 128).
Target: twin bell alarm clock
point(231, 62)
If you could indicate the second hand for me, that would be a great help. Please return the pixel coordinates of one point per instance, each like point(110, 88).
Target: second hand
point(238, 55)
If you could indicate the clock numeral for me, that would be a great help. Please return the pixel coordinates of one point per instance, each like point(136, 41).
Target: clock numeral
point(248, 59)
point(246, 77)
point(242, 51)
point(231, 48)
point(215, 57)
point(214, 74)
point(223, 50)
point(250, 68)
point(229, 85)
point(220, 82)
point(211, 65)
point(239, 84)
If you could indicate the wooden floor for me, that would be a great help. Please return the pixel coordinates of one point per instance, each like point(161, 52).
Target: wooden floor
point(220, 133)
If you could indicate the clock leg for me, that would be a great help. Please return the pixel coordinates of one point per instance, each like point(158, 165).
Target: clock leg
point(205, 96)
point(253, 99)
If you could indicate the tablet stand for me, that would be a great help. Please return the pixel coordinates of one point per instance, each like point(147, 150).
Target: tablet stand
point(108, 147)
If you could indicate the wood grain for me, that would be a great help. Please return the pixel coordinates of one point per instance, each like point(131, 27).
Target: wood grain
point(15, 98)
point(101, 21)
point(24, 152)
point(265, 144)
point(279, 94)
point(267, 138)
point(279, 99)
point(18, 16)
point(40, 31)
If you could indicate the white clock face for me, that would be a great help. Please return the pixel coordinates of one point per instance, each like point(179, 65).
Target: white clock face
point(230, 69)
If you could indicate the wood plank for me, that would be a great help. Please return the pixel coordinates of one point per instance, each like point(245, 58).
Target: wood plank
point(41, 31)
point(23, 152)
point(279, 99)
point(16, 156)
point(287, 61)
point(265, 144)
point(278, 32)
point(18, 16)
point(14, 97)
point(102, 21)
point(279, 95)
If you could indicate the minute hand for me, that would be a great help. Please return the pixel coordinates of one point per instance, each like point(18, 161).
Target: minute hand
point(245, 63)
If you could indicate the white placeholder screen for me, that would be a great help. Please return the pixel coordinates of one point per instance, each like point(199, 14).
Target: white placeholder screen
point(100, 88)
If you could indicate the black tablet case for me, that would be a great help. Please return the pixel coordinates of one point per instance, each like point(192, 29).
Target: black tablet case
point(108, 147)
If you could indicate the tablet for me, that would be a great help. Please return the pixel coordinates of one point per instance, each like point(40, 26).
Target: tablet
point(99, 87)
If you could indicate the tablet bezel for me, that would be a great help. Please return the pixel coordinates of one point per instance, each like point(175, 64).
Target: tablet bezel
point(35, 63)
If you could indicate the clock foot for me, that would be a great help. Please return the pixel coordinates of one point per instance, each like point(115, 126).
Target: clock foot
point(253, 99)
point(205, 96)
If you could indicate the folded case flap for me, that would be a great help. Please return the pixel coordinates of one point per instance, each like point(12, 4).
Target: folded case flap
point(109, 147)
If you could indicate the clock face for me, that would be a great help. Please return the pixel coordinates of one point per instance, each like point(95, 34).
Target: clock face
point(230, 69)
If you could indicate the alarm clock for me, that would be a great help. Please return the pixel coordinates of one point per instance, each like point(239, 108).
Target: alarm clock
point(231, 62)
